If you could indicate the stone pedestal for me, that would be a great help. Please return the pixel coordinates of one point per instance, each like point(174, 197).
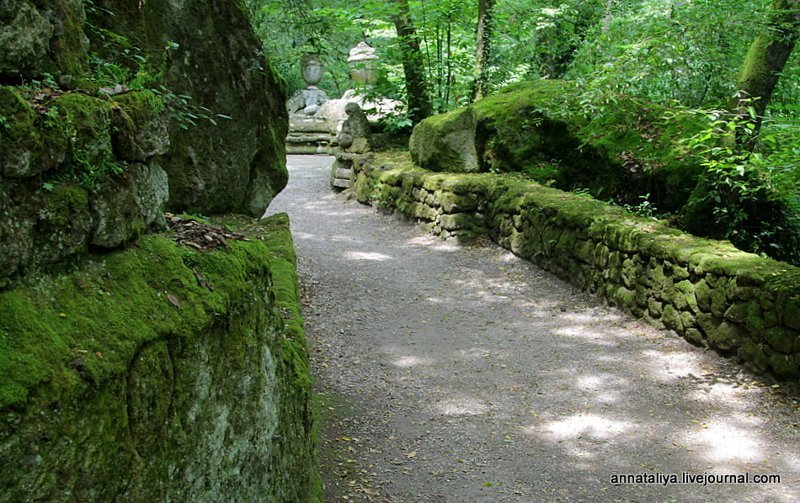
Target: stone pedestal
point(309, 134)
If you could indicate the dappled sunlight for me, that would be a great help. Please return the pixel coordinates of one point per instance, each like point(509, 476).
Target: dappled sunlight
point(461, 406)
point(579, 426)
point(303, 235)
point(722, 394)
point(409, 361)
point(434, 243)
point(374, 256)
point(587, 334)
point(509, 257)
point(672, 365)
point(590, 317)
point(605, 388)
point(723, 442)
point(472, 357)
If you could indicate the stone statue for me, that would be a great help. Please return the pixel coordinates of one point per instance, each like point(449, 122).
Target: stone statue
point(363, 69)
point(354, 147)
point(354, 136)
point(309, 100)
point(309, 133)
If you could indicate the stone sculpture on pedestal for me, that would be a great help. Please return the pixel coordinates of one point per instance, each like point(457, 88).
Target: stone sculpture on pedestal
point(309, 133)
point(363, 69)
point(353, 146)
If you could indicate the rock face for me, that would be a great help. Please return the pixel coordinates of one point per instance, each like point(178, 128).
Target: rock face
point(87, 166)
point(239, 164)
point(39, 37)
point(132, 380)
point(76, 172)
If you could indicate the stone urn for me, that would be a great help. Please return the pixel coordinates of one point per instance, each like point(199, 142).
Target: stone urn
point(311, 69)
point(362, 62)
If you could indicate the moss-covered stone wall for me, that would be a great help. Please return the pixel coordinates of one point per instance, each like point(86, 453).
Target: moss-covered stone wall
point(707, 291)
point(159, 373)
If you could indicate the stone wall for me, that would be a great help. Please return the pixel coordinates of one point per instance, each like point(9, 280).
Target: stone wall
point(160, 373)
point(707, 291)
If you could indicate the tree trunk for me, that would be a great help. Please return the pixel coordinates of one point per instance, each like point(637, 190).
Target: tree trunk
point(607, 16)
point(419, 103)
point(480, 87)
point(766, 58)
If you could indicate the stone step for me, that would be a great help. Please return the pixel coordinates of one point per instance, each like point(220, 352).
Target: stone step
point(342, 183)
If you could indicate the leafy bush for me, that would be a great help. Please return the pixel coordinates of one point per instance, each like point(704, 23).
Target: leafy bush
point(747, 197)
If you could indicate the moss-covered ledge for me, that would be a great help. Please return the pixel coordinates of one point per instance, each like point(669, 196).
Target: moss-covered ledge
point(707, 291)
point(159, 372)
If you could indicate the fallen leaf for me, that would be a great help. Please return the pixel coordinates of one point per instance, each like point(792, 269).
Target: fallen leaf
point(173, 300)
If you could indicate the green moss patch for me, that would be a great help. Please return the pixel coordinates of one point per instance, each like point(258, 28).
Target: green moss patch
point(70, 331)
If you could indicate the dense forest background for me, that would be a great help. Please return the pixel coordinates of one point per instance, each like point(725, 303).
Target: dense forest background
point(690, 57)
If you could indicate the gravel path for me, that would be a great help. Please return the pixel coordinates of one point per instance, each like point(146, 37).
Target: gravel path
point(463, 374)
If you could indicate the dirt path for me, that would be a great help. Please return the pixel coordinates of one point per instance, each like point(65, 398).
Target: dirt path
point(467, 375)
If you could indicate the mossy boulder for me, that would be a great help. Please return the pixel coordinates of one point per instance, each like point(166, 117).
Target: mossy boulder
point(446, 142)
point(128, 204)
point(159, 373)
point(139, 127)
point(236, 160)
point(544, 129)
point(29, 145)
point(42, 37)
point(65, 184)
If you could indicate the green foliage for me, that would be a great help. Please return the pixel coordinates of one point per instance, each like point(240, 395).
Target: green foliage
point(640, 68)
point(689, 52)
point(748, 197)
point(644, 208)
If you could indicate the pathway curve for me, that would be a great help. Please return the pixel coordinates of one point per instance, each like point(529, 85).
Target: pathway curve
point(463, 374)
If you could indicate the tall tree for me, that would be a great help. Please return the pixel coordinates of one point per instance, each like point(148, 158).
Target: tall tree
point(419, 102)
point(480, 86)
point(767, 57)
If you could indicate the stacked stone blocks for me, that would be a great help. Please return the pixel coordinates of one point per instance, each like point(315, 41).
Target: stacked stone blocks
point(707, 291)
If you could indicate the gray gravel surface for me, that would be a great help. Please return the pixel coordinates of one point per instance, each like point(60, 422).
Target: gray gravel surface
point(464, 374)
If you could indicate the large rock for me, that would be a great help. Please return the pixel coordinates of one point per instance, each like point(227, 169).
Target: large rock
point(159, 373)
point(446, 142)
point(239, 163)
point(140, 131)
point(129, 204)
point(39, 37)
point(59, 196)
point(26, 148)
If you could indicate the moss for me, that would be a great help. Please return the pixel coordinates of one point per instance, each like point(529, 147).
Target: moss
point(29, 143)
point(625, 151)
point(87, 122)
point(106, 311)
point(197, 344)
point(753, 356)
point(684, 282)
point(784, 366)
point(68, 46)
